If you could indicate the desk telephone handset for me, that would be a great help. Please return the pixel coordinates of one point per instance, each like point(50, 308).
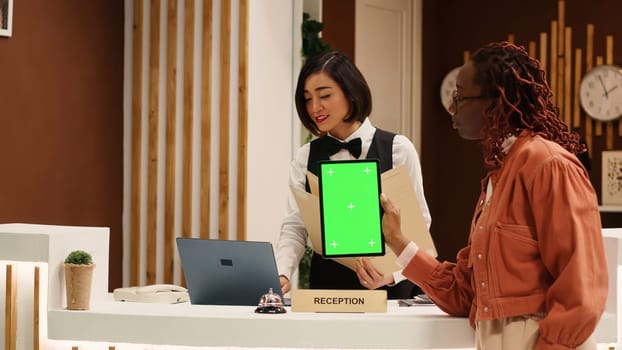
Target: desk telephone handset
point(154, 293)
point(160, 288)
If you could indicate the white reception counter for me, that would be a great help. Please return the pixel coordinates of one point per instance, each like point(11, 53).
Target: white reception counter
point(420, 327)
point(417, 327)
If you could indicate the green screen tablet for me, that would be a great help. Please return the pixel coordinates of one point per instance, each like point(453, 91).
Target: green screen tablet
point(350, 210)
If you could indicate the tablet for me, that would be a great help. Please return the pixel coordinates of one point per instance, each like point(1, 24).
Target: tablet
point(350, 211)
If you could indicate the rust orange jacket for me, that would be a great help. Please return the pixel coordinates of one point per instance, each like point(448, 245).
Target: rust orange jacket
point(535, 247)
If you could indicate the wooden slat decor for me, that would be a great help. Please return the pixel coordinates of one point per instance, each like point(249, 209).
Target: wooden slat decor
point(543, 50)
point(206, 118)
point(176, 185)
point(135, 190)
point(609, 60)
point(186, 221)
point(576, 109)
point(152, 165)
point(242, 119)
point(598, 125)
point(223, 170)
point(171, 140)
point(10, 309)
point(36, 316)
point(567, 76)
point(188, 129)
point(532, 49)
point(561, 65)
point(564, 71)
point(561, 69)
point(589, 61)
point(553, 71)
point(561, 24)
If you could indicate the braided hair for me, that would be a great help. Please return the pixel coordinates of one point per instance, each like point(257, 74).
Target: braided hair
point(521, 100)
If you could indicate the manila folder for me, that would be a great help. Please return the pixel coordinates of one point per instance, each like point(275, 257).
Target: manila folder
point(396, 185)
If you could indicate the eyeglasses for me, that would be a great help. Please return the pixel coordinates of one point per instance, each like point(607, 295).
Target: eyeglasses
point(457, 98)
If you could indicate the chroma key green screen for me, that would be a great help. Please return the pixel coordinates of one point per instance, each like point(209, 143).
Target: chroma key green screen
point(350, 209)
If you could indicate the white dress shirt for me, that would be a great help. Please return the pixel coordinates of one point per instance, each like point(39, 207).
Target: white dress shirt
point(293, 236)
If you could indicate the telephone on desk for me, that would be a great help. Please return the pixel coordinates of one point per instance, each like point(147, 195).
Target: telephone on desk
point(153, 293)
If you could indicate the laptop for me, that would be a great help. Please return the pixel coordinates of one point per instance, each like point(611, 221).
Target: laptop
point(227, 272)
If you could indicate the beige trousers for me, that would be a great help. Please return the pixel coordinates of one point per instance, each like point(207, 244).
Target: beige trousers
point(513, 333)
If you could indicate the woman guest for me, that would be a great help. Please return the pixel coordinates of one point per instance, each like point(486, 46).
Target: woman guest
point(333, 102)
point(533, 275)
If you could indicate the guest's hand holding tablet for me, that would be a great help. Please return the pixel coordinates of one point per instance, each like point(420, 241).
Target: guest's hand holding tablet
point(350, 210)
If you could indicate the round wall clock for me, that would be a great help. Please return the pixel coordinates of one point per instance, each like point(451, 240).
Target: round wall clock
point(448, 86)
point(600, 92)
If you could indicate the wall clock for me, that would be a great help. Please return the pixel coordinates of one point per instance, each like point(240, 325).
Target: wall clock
point(448, 86)
point(600, 92)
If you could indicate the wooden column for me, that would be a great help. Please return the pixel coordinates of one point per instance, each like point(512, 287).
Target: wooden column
point(152, 164)
point(589, 56)
point(137, 78)
point(567, 77)
point(544, 51)
point(242, 120)
point(188, 130)
point(610, 124)
point(206, 119)
point(553, 71)
point(10, 309)
point(576, 120)
point(36, 317)
point(225, 66)
point(171, 139)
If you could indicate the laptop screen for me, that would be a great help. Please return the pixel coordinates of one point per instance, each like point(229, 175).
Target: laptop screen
point(228, 272)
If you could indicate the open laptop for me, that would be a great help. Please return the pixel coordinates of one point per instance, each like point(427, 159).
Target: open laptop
point(228, 272)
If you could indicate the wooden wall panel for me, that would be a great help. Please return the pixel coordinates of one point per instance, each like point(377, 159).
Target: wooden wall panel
point(206, 118)
point(242, 119)
point(223, 165)
point(444, 154)
point(171, 140)
point(152, 162)
point(183, 215)
point(188, 130)
point(10, 308)
point(137, 78)
point(62, 87)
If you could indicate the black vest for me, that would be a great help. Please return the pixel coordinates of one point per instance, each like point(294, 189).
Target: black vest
point(327, 274)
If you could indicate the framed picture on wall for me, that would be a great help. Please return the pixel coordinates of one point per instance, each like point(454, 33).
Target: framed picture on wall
point(612, 178)
point(6, 17)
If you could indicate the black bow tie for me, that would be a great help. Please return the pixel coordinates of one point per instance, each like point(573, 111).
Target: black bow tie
point(333, 146)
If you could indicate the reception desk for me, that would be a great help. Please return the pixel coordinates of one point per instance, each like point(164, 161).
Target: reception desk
point(419, 327)
point(416, 327)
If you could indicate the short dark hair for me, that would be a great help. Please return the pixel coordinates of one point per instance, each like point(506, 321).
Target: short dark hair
point(341, 69)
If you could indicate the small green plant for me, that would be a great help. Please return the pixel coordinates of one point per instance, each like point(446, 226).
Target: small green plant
point(79, 257)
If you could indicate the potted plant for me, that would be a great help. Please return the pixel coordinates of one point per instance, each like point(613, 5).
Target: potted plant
point(78, 276)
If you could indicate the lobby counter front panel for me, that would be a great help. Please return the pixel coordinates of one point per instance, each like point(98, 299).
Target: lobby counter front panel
point(415, 327)
point(239, 326)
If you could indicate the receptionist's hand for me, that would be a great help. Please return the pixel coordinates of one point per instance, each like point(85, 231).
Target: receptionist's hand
point(285, 285)
point(369, 277)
